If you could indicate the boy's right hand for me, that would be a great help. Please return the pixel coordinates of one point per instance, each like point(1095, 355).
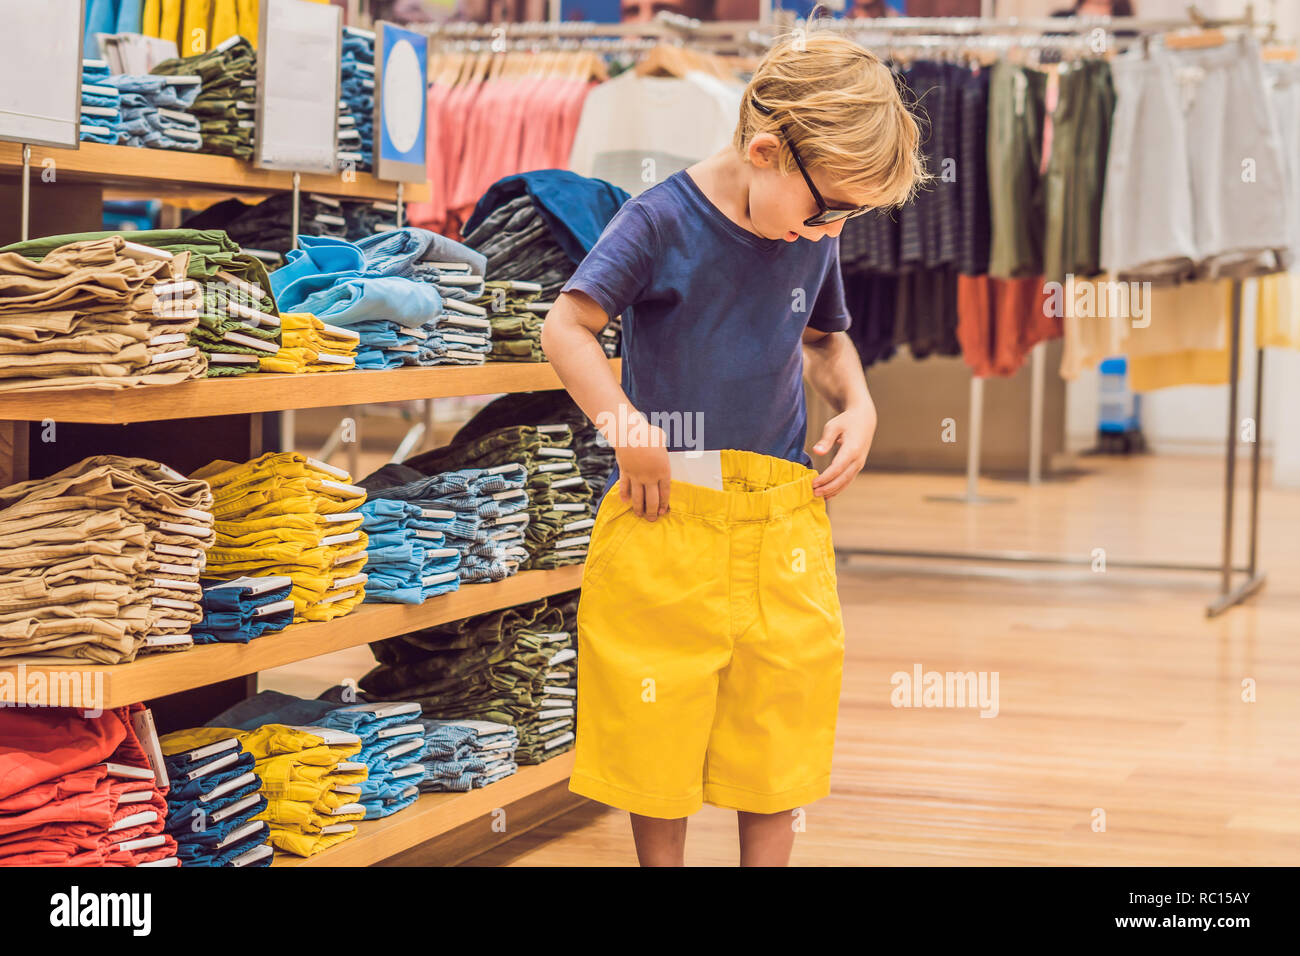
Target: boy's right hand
point(645, 476)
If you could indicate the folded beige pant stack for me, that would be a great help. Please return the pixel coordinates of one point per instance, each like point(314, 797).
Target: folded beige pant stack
point(102, 313)
point(101, 560)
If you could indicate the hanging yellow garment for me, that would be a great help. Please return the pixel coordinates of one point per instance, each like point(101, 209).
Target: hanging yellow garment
point(225, 21)
point(248, 25)
point(151, 18)
point(169, 22)
point(194, 30)
point(1185, 318)
point(1148, 373)
point(1279, 311)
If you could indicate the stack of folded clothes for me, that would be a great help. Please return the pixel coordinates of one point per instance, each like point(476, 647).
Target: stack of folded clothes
point(99, 313)
point(518, 244)
point(308, 776)
point(79, 791)
point(215, 794)
point(357, 80)
point(460, 332)
point(595, 455)
point(392, 740)
point(101, 104)
point(227, 103)
point(463, 755)
point(284, 513)
point(232, 319)
point(102, 560)
point(489, 506)
point(408, 558)
point(309, 345)
point(392, 746)
point(268, 225)
point(348, 155)
point(516, 318)
point(365, 218)
point(537, 226)
point(503, 666)
point(236, 612)
point(560, 513)
point(334, 280)
point(156, 111)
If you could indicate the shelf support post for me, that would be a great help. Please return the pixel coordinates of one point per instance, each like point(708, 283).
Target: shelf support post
point(297, 198)
point(26, 200)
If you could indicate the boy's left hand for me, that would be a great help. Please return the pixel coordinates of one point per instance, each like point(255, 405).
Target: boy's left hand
point(854, 429)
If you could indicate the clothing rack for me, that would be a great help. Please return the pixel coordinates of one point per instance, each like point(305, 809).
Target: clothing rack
point(1228, 596)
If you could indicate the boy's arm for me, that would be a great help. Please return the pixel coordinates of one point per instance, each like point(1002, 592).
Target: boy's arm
point(570, 340)
point(835, 372)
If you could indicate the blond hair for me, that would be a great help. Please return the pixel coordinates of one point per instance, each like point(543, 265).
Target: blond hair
point(840, 105)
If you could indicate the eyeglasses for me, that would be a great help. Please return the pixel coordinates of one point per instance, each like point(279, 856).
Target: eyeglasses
point(825, 214)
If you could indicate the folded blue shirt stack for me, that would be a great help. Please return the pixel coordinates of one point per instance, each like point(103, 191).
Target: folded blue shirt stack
point(101, 104)
point(240, 610)
point(460, 334)
point(407, 556)
point(392, 746)
point(154, 110)
point(213, 797)
point(489, 505)
point(332, 279)
point(462, 755)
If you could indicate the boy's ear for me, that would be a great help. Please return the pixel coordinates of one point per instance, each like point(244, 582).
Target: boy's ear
point(763, 150)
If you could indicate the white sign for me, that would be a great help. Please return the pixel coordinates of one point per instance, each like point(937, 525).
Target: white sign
point(40, 71)
point(298, 85)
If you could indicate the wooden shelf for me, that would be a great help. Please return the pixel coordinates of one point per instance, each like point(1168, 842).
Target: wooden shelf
point(269, 392)
point(432, 815)
point(168, 169)
point(156, 675)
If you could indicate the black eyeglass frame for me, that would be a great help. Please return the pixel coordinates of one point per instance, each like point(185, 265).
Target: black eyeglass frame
point(825, 214)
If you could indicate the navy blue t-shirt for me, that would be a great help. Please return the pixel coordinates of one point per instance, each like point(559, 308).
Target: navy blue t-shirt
point(713, 319)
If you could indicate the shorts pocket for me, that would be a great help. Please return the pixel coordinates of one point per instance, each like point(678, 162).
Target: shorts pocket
point(606, 542)
point(826, 554)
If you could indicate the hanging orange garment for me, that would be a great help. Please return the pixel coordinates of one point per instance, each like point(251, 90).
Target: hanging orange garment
point(1000, 320)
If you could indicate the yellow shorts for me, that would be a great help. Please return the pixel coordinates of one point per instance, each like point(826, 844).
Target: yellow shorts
point(710, 647)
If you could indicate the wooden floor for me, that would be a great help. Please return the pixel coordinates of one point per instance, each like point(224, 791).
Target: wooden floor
point(1116, 694)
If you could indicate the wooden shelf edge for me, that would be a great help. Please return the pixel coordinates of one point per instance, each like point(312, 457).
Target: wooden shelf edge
point(99, 162)
point(432, 815)
point(116, 685)
point(272, 392)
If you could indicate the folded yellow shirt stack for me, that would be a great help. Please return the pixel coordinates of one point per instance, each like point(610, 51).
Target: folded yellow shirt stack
point(309, 345)
point(285, 513)
point(306, 776)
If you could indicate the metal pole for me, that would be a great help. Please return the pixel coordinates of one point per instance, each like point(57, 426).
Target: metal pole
point(26, 193)
point(1234, 361)
point(297, 198)
point(401, 207)
point(1254, 459)
point(1037, 385)
point(287, 437)
point(975, 435)
point(354, 446)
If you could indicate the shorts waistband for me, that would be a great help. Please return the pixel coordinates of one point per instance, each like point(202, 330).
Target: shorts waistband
point(756, 487)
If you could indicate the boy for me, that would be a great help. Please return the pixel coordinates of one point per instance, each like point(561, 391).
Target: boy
point(710, 639)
